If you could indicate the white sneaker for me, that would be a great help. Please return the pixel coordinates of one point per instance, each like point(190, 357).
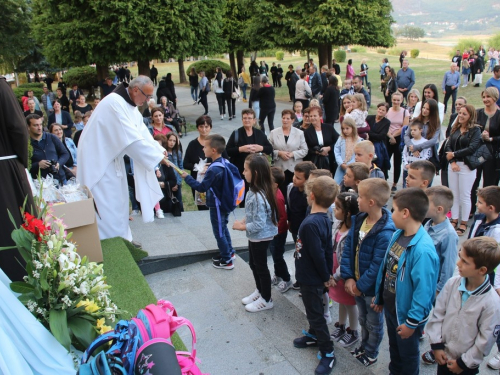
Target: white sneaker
point(135, 213)
point(222, 117)
point(494, 362)
point(251, 298)
point(259, 305)
point(276, 280)
point(283, 286)
point(159, 214)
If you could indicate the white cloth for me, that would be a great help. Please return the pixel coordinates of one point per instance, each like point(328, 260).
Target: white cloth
point(460, 184)
point(115, 129)
point(26, 346)
point(408, 156)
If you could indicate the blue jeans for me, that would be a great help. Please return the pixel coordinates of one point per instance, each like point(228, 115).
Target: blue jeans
point(372, 326)
point(194, 93)
point(223, 243)
point(405, 353)
point(256, 108)
point(277, 248)
point(339, 175)
point(131, 194)
point(244, 89)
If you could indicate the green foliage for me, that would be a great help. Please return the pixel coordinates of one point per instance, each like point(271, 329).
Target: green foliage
point(19, 92)
point(394, 51)
point(32, 85)
point(381, 50)
point(466, 44)
point(14, 31)
point(495, 41)
point(209, 66)
point(85, 77)
point(358, 49)
point(340, 56)
point(303, 53)
point(414, 53)
point(280, 55)
point(410, 32)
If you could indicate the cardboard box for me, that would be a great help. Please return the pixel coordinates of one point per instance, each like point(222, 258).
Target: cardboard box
point(80, 218)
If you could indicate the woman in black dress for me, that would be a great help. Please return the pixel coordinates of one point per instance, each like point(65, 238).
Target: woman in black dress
point(331, 100)
point(379, 127)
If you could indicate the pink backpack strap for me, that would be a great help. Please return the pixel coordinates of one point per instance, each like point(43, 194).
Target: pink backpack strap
point(159, 321)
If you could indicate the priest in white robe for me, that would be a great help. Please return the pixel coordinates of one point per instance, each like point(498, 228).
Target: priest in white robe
point(115, 129)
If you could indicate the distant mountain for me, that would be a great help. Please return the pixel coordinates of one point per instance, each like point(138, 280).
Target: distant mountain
point(465, 15)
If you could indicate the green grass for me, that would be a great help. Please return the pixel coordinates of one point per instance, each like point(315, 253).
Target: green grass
point(136, 253)
point(129, 289)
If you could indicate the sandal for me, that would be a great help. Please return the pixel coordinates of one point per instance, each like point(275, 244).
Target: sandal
point(460, 230)
point(454, 223)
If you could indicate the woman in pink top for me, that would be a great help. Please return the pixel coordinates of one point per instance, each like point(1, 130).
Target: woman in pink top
point(350, 73)
point(399, 117)
point(158, 125)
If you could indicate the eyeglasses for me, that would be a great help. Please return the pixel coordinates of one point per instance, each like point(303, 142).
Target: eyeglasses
point(147, 96)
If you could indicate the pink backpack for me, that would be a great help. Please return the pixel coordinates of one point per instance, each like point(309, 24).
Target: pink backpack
point(160, 321)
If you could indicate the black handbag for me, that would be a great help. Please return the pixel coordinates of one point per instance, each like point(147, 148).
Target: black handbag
point(481, 155)
point(176, 209)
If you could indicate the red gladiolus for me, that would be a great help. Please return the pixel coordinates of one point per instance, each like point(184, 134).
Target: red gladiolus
point(34, 225)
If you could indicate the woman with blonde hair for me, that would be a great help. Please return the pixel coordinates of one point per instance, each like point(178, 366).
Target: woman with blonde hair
point(413, 99)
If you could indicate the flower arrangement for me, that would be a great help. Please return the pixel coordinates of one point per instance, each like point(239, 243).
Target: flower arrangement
point(66, 293)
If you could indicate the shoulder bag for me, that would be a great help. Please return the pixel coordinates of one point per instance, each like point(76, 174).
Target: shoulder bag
point(234, 94)
point(479, 156)
point(306, 94)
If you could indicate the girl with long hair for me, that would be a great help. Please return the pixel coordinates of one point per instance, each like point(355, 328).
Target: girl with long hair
point(174, 152)
point(260, 224)
point(344, 147)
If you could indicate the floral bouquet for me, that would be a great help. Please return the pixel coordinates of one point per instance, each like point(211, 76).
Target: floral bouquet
point(66, 293)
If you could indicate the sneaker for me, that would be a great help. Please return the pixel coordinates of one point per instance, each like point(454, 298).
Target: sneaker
point(326, 364)
point(259, 305)
point(394, 189)
point(428, 358)
point(222, 117)
point(357, 352)
point(494, 362)
point(338, 331)
point(276, 280)
point(216, 258)
point(350, 338)
point(422, 336)
point(283, 286)
point(251, 298)
point(233, 255)
point(305, 341)
point(296, 285)
point(365, 360)
point(159, 214)
point(135, 213)
point(195, 102)
point(223, 265)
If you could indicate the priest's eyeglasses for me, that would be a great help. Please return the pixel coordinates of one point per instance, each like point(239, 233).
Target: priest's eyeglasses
point(147, 96)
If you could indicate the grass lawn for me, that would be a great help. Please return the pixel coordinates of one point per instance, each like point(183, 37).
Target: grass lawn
point(130, 290)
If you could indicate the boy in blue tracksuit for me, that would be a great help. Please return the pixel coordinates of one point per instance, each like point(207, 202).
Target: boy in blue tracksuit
point(364, 249)
point(213, 183)
point(407, 280)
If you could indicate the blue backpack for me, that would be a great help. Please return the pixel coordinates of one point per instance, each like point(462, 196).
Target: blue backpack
point(233, 189)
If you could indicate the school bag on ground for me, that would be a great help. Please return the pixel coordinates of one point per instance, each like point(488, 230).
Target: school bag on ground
point(148, 333)
point(233, 189)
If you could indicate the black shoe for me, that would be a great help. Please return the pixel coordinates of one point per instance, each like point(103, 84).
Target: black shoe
point(476, 85)
point(366, 361)
point(216, 258)
point(296, 285)
point(223, 265)
point(305, 341)
point(326, 364)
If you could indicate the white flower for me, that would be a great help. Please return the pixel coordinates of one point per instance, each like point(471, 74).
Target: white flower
point(50, 244)
point(66, 300)
point(31, 305)
point(36, 275)
point(84, 288)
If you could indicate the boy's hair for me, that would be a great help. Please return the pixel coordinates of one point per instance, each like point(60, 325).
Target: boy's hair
point(417, 123)
point(484, 250)
point(377, 189)
point(320, 172)
point(325, 190)
point(491, 196)
point(414, 200)
point(217, 141)
point(360, 171)
point(440, 196)
point(427, 169)
point(366, 146)
point(305, 167)
point(278, 175)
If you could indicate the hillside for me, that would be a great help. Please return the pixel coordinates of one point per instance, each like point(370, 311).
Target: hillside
point(449, 16)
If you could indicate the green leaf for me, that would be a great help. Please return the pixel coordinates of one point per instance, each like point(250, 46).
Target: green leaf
point(59, 327)
point(43, 279)
point(74, 311)
point(83, 331)
point(21, 287)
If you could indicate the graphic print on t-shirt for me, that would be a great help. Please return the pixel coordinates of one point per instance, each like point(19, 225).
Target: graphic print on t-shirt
point(298, 247)
point(391, 270)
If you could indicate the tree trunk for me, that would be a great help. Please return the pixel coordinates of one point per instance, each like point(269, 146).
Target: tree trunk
point(182, 71)
point(233, 63)
point(308, 56)
point(102, 73)
point(330, 55)
point(143, 67)
point(240, 60)
point(253, 56)
point(323, 55)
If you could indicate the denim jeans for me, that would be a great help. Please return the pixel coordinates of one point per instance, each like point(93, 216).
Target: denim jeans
point(312, 296)
point(194, 93)
point(256, 108)
point(372, 326)
point(223, 243)
point(405, 353)
point(131, 194)
point(258, 264)
point(244, 89)
point(277, 248)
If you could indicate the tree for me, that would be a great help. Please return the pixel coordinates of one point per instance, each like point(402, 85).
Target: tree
point(495, 41)
point(320, 24)
point(410, 32)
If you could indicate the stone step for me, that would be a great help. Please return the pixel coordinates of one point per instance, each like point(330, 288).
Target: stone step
point(231, 340)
